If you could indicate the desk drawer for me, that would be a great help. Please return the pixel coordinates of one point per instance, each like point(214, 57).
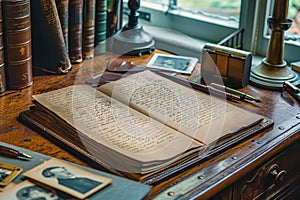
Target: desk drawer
point(271, 178)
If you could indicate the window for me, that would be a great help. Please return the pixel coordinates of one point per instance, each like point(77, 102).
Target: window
point(217, 10)
point(226, 10)
point(181, 15)
point(214, 20)
point(292, 36)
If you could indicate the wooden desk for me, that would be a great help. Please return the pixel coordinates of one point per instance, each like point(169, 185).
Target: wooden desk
point(241, 172)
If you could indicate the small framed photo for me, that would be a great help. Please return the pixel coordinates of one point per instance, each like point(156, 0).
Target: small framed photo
point(68, 178)
point(8, 173)
point(173, 63)
point(32, 190)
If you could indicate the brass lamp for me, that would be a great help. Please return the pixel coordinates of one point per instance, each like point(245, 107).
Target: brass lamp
point(273, 70)
point(132, 39)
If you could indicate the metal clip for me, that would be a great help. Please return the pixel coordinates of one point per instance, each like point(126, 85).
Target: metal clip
point(292, 90)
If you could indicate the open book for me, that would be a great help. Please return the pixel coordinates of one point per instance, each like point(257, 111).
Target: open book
point(144, 123)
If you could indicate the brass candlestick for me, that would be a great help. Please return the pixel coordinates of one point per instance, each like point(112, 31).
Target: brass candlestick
point(273, 70)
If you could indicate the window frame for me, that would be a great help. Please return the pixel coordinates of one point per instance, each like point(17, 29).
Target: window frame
point(203, 29)
point(255, 39)
point(291, 51)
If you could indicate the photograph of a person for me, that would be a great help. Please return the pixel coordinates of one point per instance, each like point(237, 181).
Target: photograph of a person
point(173, 63)
point(8, 173)
point(68, 178)
point(27, 190)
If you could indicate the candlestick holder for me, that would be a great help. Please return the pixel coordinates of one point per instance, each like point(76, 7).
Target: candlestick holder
point(273, 71)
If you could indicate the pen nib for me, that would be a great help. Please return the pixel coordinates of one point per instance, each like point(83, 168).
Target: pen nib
point(257, 100)
point(25, 155)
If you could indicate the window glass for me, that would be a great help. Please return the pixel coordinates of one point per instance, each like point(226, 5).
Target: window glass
point(293, 34)
point(216, 10)
point(213, 20)
point(223, 8)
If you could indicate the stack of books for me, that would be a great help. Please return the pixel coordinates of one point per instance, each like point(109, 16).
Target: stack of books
point(48, 37)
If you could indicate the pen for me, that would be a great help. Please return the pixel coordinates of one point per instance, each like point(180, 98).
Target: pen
point(242, 95)
point(204, 88)
point(7, 151)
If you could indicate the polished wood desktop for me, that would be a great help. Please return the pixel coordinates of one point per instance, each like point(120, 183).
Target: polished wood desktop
point(264, 165)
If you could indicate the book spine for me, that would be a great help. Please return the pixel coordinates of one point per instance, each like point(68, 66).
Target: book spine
point(17, 43)
point(111, 18)
point(49, 49)
point(75, 30)
point(100, 26)
point(63, 13)
point(2, 63)
point(114, 17)
point(88, 38)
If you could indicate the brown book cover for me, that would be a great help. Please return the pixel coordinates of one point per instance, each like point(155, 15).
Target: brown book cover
point(75, 30)
point(2, 78)
point(48, 45)
point(88, 38)
point(112, 17)
point(2, 64)
point(63, 13)
point(17, 43)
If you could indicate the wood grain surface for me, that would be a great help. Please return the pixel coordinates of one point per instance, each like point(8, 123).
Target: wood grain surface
point(219, 172)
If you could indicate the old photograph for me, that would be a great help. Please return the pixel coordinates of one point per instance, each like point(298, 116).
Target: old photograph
point(28, 190)
point(8, 173)
point(173, 63)
point(68, 178)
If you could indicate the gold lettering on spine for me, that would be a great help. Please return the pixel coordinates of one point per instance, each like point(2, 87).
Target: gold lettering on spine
point(47, 6)
point(24, 77)
point(22, 51)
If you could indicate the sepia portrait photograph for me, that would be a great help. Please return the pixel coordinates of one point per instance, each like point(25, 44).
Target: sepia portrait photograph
point(68, 178)
point(173, 63)
point(27, 190)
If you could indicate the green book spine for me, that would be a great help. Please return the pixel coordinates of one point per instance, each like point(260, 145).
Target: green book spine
point(17, 43)
point(100, 26)
point(88, 38)
point(2, 63)
point(75, 30)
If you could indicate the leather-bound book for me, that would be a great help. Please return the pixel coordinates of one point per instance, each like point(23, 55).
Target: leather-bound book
point(75, 30)
point(100, 26)
point(48, 45)
point(88, 37)
point(2, 64)
point(63, 13)
point(2, 78)
point(17, 43)
point(112, 8)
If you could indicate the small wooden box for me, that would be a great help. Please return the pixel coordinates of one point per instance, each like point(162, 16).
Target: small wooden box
point(232, 65)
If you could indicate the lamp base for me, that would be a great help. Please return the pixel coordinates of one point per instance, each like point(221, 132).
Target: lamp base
point(271, 76)
point(132, 41)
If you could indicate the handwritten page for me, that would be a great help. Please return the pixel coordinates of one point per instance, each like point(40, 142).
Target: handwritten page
point(198, 115)
point(105, 121)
